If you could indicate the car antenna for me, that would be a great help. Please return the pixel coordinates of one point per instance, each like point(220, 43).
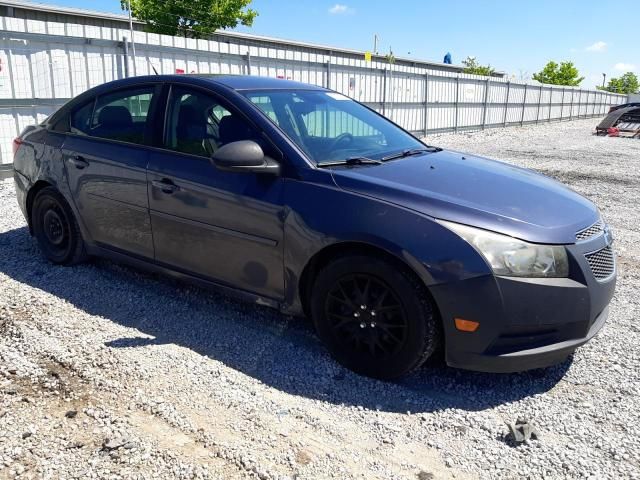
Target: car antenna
point(154, 68)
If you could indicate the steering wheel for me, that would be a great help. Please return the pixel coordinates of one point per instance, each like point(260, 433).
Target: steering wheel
point(343, 137)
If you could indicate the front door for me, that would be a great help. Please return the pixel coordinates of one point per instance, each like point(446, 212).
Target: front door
point(223, 226)
point(106, 160)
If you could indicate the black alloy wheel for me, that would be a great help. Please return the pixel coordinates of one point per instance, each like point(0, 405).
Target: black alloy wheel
point(366, 315)
point(374, 315)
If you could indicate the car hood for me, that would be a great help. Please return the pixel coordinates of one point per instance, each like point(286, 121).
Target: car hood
point(476, 191)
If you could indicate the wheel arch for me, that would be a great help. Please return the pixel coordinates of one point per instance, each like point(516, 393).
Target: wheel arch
point(333, 251)
point(31, 195)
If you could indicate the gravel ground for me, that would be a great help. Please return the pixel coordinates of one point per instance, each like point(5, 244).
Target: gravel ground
point(107, 372)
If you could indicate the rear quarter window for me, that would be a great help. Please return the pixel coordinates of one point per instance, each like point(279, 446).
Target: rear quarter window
point(80, 120)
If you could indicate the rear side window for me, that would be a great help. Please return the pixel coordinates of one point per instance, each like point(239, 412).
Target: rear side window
point(121, 115)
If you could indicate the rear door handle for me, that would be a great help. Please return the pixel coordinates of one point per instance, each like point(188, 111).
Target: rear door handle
point(78, 161)
point(166, 185)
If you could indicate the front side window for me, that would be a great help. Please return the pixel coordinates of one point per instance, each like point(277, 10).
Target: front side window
point(198, 124)
point(331, 127)
point(120, 115)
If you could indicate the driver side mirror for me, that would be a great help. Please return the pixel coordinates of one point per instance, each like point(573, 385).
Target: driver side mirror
point(244, 156)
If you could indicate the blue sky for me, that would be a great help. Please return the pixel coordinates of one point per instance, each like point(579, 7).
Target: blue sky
point(517, 37)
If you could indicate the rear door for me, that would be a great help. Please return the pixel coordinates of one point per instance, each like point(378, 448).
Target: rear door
point(224, 226)
point(106, 157)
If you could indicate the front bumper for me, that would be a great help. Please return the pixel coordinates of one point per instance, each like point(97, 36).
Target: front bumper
point(520, 360)
point(525, 323)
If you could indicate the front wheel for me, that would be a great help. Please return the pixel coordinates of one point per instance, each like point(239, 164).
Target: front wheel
point(375, 318)
point(56, 228)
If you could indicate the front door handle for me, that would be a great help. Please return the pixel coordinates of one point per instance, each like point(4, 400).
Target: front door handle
point(166, 185)
point(78, 161)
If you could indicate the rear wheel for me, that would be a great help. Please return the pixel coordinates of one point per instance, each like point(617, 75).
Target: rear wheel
point(375, 318)
point(56, 228)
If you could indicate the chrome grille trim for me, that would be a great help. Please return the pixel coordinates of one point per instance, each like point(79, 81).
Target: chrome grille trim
point(602, 263)
point(595, 229)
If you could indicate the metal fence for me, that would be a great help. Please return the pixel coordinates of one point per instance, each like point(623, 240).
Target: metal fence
point(43, 64)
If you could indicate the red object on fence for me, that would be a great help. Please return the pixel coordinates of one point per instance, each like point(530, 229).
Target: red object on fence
point(179, 70)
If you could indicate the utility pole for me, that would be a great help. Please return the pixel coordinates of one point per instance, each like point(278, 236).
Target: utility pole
point(604, 77)
point(375, 43)
point(133, 44)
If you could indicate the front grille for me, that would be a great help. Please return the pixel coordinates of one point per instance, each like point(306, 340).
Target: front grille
point(602, 263)
point(595, 229)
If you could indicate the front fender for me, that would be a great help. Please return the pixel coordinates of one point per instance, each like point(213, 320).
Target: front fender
point(322, 215)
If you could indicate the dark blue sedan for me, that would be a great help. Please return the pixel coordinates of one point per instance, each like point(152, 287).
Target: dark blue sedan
point(296, 197)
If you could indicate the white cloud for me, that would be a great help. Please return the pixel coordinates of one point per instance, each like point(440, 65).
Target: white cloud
point(340, 9)
point(597, 47)
point(625, 67)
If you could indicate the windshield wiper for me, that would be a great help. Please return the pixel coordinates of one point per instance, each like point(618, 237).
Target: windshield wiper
point(409, 152)
point(351, 161)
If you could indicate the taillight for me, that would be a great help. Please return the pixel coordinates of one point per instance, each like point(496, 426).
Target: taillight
point(16, 145)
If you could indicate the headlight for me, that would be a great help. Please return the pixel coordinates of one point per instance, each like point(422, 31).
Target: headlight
point(512, 257)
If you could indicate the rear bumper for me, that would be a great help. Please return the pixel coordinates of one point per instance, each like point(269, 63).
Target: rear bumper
point(22, 186)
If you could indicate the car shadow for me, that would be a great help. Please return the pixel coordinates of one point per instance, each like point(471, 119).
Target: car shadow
point(278, 350)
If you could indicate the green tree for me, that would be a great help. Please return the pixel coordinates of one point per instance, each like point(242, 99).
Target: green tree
point(391, 59)
point(471, 65)
point(564, 74)
point(191, 18)
point(627, 83)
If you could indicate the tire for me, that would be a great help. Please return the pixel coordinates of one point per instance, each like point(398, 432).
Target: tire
point(56, 229)
point(376, 334)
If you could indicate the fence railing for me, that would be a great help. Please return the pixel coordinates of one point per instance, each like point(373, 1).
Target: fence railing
point(44, 64)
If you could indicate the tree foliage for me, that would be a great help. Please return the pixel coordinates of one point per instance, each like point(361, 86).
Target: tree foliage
point(390, 57)
point(627, 83)
point(472, 66)
point(191, 18)
point(565, 73)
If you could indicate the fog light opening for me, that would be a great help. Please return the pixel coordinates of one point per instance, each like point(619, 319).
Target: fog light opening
point(466, 325)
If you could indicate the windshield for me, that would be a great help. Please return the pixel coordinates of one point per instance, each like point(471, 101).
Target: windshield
point(330, 127)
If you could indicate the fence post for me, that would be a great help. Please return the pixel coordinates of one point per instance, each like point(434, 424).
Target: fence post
point(486, 99)
point(455, 125)
point(579, 102)
point(524, 105)
point(573, 91)
point(426, 103)
point(539, 102)
point(562, 105)
point(550, 98)
point(125, 47)
point(506, 104)
point(328, 74)
point(384, 91)
point(248, 58)
point(390, 91)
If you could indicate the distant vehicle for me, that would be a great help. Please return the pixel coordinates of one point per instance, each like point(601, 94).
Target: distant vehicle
point(300, 198)
point(613, 108)
point(622, 122)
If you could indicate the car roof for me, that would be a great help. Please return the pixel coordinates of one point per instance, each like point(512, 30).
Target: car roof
point(235, 82)
point(248, 82)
